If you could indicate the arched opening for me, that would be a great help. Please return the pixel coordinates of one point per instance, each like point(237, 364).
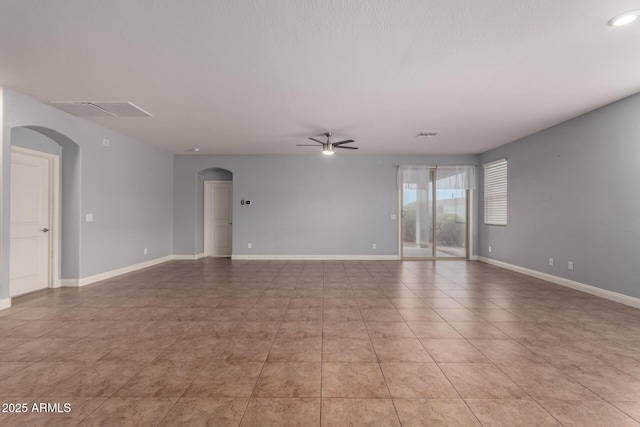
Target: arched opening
point(212, 174)
point(67, 215)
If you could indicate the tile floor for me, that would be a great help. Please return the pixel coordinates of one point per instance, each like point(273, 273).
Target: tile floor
point(259, 343)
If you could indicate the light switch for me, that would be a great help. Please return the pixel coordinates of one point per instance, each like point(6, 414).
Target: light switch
point(89, 217)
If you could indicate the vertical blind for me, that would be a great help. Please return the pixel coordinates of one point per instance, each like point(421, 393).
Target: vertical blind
point(495, 192)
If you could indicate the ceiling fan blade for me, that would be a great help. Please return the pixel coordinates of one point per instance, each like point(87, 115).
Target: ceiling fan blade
point(343, 142)
point(319, 142)
point(306, 145)
point(348, 148)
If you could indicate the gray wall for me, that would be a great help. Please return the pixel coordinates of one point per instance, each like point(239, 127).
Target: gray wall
point(127, 187)
point(573, 195)
point(301, 204)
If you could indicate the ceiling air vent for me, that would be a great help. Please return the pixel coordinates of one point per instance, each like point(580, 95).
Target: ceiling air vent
point(100, 108)
point(428, 134)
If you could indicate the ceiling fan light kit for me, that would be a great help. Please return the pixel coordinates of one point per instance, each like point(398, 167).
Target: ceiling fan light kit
point(328, 146)
point(624, 18)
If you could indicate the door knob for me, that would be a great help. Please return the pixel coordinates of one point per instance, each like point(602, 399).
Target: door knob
point(44, 230)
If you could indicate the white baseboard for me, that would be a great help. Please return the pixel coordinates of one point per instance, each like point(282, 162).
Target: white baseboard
point(69, 283)
point(113, 273)
point(56, 283)
point(317, 257)
point(5, 303)
point(593, 290)
point(473, 258)
point(188, 257)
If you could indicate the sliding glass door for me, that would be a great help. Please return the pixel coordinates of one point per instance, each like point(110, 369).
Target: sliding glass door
point(417, 223)
point(451, 223)
point(434, 211)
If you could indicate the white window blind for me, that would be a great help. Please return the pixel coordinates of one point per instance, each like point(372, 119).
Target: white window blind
point(495, 192)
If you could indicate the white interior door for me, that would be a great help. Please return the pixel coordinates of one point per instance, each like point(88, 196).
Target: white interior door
point(218, 218)
point(30, 212)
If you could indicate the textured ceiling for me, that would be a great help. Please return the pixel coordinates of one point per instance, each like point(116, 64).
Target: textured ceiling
point(253, 76)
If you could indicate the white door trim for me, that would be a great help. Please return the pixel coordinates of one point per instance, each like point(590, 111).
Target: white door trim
point(54, 210)
point(207, 202)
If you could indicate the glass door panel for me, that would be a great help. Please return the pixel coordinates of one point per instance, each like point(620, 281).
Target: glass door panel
point(417, 223)
point(451, 223)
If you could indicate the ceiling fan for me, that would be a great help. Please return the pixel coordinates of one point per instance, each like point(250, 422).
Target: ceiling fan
point(327, 147)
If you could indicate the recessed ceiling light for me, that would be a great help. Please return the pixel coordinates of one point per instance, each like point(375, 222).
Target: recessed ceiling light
point(429, 134)
point(624, 18)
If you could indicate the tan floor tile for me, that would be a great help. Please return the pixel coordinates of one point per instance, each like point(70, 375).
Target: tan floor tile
point(352, 329)
point(417, 380)
point(435, 330)
point(389, 330)
point(479, 330)
point(210, 329)
point(34, 329)
point(10, 368)
point(506, 352)
point(441, 302)
point(242, 350)
point(206, 411)
point(496, 315)
point(178, 315)
point(632, 409)
point(434, 412)
point(95, 380)
point(358, 412)
point(587, 413)
point(607, 382)
point(289, 379)
point(458, 315)
point(406, 350)
point(296, 350)
point(161, 379)
point(481, 381)
point(348, 350)
point(353, 380)
point(376, 314)
point(79, 408)
point(191, 349)
point(547, 382)
point(36, 349)
point(265, 330)
point(130, 411)
point(341, 315)
point(453, 351)
point(302, 314)
point(511, 412)
point(419, 315)
point(35, 378)
point(300, 330)
point(282, 412)
point(220, 379)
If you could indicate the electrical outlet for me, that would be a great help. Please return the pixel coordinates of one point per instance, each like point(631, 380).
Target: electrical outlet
point(570, 265)
point(550, 261)
point(489, 248)
point(145, 251)
point(249, 245)
point(89, 217)
point(394, 217)
point(105, 142)
point(374, 246)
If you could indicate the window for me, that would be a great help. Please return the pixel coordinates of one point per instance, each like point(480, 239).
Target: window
point(495, 192)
